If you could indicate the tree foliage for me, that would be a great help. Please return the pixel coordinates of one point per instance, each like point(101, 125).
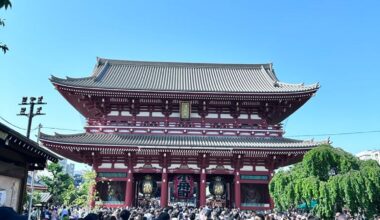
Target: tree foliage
point(61, 186)
point(4, 4)
point(58, 183)
point(36, 199)
point(84, 195)
point(332, 177)
point(80, 196)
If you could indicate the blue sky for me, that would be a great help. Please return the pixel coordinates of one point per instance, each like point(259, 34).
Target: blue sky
point(335, 43)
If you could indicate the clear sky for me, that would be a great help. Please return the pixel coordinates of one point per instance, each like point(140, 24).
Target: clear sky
point(336, 43)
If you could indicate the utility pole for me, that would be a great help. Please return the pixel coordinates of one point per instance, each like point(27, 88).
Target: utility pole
point(31, 113)
point(32, 102)
point(33, 175)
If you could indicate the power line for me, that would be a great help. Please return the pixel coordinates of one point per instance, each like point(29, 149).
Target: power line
point(12, 124)
point(300, 135)
point(16, 125)
point(336, 134)
point(62, 129)
point(52, 128)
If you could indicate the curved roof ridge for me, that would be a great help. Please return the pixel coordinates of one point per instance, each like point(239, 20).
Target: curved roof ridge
point(44, 135)
point(271, 73)
point(55, 78)
point(98, 75)
point(102, 61)
point(313, 85)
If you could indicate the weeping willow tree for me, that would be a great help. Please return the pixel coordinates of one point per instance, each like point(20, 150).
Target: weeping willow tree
point(332, 178)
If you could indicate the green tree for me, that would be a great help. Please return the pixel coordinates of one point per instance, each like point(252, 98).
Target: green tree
point(36, 199)
point(80, 196)
point(6, 4)
point(70, 195)
point(58, 183)
point(333, 178)
point(84, 195)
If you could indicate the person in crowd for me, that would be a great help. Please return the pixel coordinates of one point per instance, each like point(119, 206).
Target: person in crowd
point(176, 212)
point(7, 213)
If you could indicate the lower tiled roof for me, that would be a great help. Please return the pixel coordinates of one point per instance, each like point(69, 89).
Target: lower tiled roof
point(177, 141)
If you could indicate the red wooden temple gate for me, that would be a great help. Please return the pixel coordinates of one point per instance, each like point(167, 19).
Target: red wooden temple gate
point(182, 132)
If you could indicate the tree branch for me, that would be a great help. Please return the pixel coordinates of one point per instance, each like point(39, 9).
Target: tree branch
point(5, 4)
point(4, 48)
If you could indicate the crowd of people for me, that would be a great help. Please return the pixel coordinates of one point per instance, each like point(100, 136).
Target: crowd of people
point(175, 213)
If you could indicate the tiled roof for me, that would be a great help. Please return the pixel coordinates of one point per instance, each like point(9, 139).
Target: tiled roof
point(45, 197)
point(177, 141)
point(25, 144)
point(184, 77)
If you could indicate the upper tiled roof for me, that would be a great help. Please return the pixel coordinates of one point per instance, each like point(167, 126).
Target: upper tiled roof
point(184, 77)
point(177, 141)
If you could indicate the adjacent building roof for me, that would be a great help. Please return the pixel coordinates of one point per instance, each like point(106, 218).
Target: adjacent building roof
point(37, 183)
point(184, 77)
point(20, 143)
point(45, 197)
point(97, 140)
point(369, 155)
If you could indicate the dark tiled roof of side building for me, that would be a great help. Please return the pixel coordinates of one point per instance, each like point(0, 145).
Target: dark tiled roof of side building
point(24, 144)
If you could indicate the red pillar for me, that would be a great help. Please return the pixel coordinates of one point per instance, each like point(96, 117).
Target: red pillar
point(93, 189)
point(202, 188)
point(164, 189)
point(237, 190)
point(271, 202)
point(92, 196)
point(129, 189)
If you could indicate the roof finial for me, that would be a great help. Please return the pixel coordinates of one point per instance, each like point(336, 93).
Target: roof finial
point(98, 61)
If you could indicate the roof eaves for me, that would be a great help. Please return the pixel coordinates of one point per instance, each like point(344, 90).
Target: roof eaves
point(313, 88)
point(30, 142)
point(55, 79)
point(57, 139)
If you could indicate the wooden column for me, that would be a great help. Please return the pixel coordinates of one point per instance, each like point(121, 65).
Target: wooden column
point(164, 188)
point(129, 189)
point(93, 187)
point(92, 196)
point(237, 189)
point(23, 187)
point(202, 188)
point(271, 202)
